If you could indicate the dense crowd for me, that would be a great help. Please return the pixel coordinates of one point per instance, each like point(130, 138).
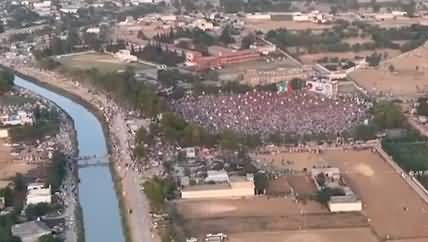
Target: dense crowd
point(266, 113)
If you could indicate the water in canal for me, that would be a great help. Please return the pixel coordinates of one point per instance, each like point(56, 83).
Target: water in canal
point(97, 196)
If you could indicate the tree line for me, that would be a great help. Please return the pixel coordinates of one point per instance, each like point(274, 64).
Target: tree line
point(333, 39)
point(157, 54)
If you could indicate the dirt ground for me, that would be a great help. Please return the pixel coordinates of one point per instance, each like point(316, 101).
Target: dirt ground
point(267, 25)
point(392, 206)
point(325, 235)
point(302, 185)
point(260, 214)
point(255, 207)
point(409, 76)
point(278, 186)
point(312, 58)
point(293, 160)
point(9, 167)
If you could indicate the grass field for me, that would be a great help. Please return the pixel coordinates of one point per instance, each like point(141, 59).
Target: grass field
point(103, 62)
point(409, 156)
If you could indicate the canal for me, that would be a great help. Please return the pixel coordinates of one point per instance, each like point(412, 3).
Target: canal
point(101, 213)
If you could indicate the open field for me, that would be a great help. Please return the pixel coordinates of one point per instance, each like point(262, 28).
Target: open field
point(315, 235)
point(302, 185)
point(312, 58)
point(6, 100)
point(408, 78)
point(260, 214)
point(103, 62)
point(267, 25)
point(392, 206)
point(278, 186)
point(8, 166)
point(256, 207)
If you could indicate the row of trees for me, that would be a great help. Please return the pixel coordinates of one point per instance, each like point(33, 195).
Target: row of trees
point(6, 81)
point(201, 40)
point(156, 53)
point(251, 6)
point(123, 88)
point(333, 39)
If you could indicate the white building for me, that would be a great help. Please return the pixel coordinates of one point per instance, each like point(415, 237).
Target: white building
point(93, 30)
point(190, 152)
point(202, 24)
point(4, 133)
point(125, 56)
point(344, 204)
point(2, 203)
point(237, 187)
point(69, 9)
point(217, 176)
point(258, 16)
point(38, 193)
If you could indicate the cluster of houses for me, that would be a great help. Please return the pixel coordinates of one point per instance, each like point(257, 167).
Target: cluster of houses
point(17, 118)
point(31, 231)
point(199, 179)
point(342, 199)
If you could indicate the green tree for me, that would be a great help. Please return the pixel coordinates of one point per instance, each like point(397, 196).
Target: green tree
point(226, 35)
point(20, 184)
point(57, 170)
point(37, 210)
point(364, 132)
point(409, 8)
point(260, 183)
point(297, 84)
point(6, 81)
point(247, 41)
point(374, 59)
point(158, 190)
point(391, 68)
point(422, 108)
point(48, 238)
point(228, 139)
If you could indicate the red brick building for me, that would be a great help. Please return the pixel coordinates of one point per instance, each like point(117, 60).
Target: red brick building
point(201, 63)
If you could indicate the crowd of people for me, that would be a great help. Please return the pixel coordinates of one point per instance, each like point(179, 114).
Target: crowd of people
point(266, 113)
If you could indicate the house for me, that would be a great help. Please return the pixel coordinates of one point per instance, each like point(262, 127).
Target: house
point(4, 133)
point(38, 193)
point(2, 203)
point(345, 203)
point(346, 200)
point(190, 152)
point(93, 30)
point(202, 24)
point(30, 231)
point(217, 176)
point(125, 56)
